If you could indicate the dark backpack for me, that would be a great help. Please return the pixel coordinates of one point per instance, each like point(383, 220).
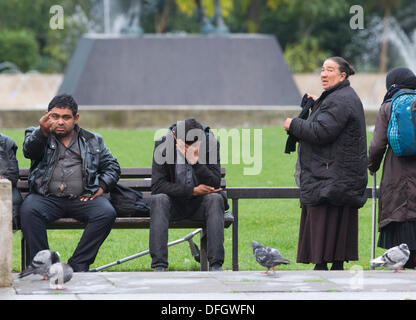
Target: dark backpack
point(129, 202)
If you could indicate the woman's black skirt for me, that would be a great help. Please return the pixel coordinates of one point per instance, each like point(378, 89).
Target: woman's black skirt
point(327, 234)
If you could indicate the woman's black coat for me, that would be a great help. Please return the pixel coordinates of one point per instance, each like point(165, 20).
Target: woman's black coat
point(333, 149)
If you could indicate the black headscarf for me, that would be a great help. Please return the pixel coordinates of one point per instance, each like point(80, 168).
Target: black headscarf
point(399, 78)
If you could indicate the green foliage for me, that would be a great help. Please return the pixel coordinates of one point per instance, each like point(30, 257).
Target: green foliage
point(188, 7)
point(305, 56)
point(19, 47)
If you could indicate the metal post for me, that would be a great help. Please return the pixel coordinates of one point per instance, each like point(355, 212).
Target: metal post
point(235, 235)
point(374, 218)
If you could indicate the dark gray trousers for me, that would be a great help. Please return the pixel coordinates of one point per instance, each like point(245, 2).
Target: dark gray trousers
point(162, 211)
point(37, 211)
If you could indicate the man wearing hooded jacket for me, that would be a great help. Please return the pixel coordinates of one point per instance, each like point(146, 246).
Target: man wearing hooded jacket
point(186, 179)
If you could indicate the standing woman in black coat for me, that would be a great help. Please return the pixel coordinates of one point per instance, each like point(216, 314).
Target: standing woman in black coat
point(333, 176)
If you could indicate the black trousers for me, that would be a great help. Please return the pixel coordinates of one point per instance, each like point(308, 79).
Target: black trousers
point(211, 210)
point(37, 211)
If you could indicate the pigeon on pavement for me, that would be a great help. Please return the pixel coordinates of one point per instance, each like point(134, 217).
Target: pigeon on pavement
point(41, 263)
point(267, 257)
point(59, 273)
point(394, 258)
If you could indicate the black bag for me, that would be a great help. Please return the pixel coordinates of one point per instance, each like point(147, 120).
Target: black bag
point(129, 202)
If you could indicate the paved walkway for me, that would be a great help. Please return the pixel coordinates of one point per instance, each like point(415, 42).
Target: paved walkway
point(227, 285)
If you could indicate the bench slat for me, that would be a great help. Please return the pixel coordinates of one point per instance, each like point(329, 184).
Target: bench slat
point(133, 223)
point(139, 185)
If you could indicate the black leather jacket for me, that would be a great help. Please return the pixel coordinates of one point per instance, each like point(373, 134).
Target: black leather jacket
point(99, 167)
point(8, 163)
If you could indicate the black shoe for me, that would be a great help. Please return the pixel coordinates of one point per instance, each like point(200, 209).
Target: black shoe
point(338, 265)
point(321, 266)
point(160, 269)
point(79, 267)
point(215, 268)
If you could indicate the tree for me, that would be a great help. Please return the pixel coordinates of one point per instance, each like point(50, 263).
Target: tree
point(387, 6)
point(19, 47)
point(305, 56)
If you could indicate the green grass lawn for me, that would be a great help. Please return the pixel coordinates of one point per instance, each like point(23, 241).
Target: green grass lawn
point(269, 221)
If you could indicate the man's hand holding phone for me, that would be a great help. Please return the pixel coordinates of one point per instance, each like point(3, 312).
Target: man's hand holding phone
point(203, 189)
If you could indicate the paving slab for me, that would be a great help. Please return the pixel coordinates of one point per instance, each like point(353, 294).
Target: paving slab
point(227, 285)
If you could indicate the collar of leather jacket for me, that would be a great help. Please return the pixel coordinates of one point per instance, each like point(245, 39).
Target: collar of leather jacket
point(82, 133)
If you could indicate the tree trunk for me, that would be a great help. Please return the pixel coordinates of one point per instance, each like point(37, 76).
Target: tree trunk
point(254, 16)
point(161, 26)
point(385, 40)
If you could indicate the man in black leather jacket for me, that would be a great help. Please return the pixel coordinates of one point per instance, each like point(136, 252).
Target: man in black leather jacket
point(71, 169)
point(9, 169)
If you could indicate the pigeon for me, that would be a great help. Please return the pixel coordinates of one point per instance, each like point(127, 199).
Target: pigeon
point(267, 257)
point(41, 263)
point(58, 274)
point(394, 258)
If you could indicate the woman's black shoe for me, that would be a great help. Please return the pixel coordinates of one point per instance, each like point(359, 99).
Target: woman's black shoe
point(321, 266)
point(338, 265)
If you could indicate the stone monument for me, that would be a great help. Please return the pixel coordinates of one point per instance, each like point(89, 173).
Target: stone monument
point(5, 233)
point(214, 68)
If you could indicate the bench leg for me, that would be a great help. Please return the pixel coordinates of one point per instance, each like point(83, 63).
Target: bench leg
point(203, 252)
point(23, 253)
point(235, 235)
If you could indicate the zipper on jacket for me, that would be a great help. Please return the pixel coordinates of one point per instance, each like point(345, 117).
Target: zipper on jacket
point(53, 169)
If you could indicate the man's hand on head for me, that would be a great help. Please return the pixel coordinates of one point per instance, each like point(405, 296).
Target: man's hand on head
point(192, 152)
point(189, 151)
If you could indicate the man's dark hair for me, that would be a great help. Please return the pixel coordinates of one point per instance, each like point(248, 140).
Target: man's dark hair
point(190, 124)
point(64, 101)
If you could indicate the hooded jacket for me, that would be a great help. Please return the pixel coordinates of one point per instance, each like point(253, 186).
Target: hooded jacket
point(333, 149)
point(99, 167)
point(398, 182)
point(163, 172)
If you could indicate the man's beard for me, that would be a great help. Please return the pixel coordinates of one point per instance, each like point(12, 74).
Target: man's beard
point(63, 134)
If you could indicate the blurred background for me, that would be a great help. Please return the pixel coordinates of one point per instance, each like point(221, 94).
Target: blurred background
point(35, 57)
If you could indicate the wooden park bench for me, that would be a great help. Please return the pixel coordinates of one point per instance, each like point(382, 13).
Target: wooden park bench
point(138, 179)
